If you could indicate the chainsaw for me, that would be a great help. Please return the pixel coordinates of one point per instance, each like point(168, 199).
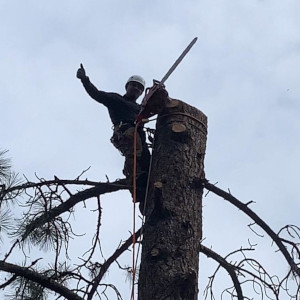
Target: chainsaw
point(149, 109)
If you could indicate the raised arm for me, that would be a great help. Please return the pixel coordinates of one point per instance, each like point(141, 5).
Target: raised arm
point(99, 96)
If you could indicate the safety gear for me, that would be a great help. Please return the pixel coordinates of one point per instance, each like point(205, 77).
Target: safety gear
point(136, 78)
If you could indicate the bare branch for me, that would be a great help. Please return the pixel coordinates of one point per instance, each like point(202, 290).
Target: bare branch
point(227, 266)
point(109, 261)
point(96, 238)
point(28, 185)
point(244, 207)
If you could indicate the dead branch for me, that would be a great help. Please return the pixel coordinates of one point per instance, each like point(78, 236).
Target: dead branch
point(251, 271)
point(245, 208)
point(109, 261)
point(59, 182)
point(231, 269)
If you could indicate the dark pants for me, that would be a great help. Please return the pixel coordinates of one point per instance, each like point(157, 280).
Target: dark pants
point(123, 140)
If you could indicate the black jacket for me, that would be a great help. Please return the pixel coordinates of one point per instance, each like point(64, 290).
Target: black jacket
point(120, 108)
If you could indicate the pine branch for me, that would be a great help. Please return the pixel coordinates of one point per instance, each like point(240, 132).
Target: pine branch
point(62, 182)
point(8, 282)
point(100, 189)
point(40, 279)
point(5, 165)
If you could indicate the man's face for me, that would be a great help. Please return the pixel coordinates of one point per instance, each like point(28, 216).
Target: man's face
point(134, 89)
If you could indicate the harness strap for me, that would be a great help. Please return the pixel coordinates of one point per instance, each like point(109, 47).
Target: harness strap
point(123, 126)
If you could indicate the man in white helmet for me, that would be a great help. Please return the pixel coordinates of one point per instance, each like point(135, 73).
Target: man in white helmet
point(123, 111)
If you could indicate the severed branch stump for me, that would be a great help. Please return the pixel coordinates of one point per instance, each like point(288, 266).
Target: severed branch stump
point(173, 227)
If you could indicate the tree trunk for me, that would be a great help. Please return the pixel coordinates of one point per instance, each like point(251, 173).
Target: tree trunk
point(173, 227)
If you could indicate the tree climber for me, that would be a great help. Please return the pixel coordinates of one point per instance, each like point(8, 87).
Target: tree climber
point(123, 111)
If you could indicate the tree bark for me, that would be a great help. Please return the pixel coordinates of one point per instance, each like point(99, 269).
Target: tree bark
point(173, 228)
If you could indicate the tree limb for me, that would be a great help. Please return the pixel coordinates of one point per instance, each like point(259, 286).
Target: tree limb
point(227, 266)
point(40, 279)
point(110, 260)
point(244, 207)
point(8, 282)
point(62, 182)
point(101, 188)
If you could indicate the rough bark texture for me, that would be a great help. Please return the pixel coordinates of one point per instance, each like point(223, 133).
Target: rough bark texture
point(173, 228)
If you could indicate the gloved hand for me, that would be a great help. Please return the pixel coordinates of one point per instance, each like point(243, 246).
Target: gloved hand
point(81, 73)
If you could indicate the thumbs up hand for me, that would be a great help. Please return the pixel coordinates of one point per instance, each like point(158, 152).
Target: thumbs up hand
point(81, 72)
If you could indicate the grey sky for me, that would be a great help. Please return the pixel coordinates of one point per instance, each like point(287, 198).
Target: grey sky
point(243, 73)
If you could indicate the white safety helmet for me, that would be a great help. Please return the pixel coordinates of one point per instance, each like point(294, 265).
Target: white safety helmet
point(136, 78)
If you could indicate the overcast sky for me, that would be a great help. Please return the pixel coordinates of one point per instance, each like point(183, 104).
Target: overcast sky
point(243, 73)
